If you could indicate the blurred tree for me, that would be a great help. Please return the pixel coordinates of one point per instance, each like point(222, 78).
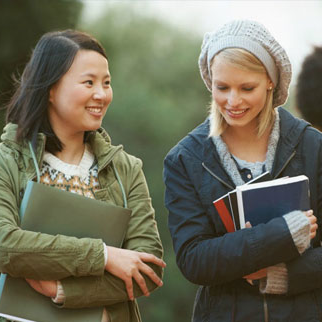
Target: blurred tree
point(22, 23)
point(158, 98)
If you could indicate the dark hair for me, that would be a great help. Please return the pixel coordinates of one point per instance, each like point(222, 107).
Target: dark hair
point(309, 88)
point(50, 60)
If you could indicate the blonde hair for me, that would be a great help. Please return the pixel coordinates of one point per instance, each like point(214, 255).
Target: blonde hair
point(242, 59)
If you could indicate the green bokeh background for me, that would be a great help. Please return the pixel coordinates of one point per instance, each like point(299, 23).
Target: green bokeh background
point(158, 98)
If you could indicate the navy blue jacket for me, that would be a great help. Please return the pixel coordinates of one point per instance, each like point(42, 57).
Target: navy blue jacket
point(216, 260)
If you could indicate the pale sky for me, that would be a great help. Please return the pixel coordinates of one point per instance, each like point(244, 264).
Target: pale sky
point(296, 24)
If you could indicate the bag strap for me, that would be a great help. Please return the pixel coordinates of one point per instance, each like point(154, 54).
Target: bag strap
point(120, 184)
point(35, 161)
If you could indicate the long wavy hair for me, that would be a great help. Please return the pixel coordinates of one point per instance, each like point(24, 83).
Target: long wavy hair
point(51, 59)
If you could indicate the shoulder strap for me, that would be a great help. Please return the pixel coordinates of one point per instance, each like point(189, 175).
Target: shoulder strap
point(121, 185)
point(35, 161)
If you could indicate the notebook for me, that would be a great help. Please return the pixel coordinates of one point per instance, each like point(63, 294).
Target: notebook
point(53, 211)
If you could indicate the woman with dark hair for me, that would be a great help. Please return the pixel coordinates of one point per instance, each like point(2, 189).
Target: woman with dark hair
point(267, 272)
point(59, 105)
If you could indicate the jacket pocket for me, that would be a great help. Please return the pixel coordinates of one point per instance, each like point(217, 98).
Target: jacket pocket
point(112, 193)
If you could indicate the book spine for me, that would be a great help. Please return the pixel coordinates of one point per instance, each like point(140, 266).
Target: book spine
point(225, 215)
point(240, 208)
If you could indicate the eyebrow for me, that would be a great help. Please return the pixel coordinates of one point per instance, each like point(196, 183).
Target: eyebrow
point(93, 75)
point(254, 83)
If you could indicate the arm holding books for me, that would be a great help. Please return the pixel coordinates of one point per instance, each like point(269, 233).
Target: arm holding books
point(303, 229)
point(195, 237)
point(41, 256)
point(140, 259)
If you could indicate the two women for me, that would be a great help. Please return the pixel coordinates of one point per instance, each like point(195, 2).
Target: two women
point(267, 272)
point(59, 105)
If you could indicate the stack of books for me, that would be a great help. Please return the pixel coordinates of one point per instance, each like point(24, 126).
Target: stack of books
point(263, 199)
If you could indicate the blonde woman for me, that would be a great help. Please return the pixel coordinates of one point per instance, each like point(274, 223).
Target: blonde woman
point(267, 272)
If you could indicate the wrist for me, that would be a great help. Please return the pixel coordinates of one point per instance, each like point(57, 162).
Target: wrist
point(60, 294)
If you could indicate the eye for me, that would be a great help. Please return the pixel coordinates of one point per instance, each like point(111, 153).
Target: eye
point(107, 83)
point(221, 88)
point(248, 89)
point(89, 82)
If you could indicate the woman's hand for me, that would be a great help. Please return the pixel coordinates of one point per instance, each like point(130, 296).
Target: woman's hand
point(256, 276)
point(47, 288)
point(127, 264)
point(314, 225)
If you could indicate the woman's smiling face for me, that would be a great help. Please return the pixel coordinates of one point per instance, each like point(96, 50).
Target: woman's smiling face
point(79, 100)
point(240, 95)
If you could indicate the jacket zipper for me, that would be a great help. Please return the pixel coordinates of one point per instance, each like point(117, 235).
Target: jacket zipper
point(286, 163)
point(219, 179)
point(265, 308)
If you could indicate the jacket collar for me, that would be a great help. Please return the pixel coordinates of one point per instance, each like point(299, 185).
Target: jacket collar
point(99, 140)
point(204, 149)
point(291, 133)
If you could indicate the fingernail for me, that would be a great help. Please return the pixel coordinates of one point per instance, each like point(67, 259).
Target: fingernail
point(160, 283)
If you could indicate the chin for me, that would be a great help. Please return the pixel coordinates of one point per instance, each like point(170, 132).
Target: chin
point(93, 127)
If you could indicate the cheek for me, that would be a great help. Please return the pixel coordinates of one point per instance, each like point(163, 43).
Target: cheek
point(259, 100)
point(110, 96)
point(219, 98)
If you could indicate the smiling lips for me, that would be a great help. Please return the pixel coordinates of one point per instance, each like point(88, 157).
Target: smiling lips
point(95, 110)
point(236, 113)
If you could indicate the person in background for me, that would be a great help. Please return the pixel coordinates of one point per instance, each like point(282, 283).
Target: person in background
point(267, 272)
point(309, 88)
point(60, 101)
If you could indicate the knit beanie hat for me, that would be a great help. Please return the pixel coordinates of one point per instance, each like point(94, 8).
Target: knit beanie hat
point(255, 38)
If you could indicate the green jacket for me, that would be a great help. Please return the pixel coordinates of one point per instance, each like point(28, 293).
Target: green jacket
point(77, 263)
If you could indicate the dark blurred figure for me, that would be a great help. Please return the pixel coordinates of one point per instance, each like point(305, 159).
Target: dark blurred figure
point(309, 88)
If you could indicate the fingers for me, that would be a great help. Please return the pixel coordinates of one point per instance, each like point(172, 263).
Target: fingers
point(151, 274)
point(129, 288)
point(310, 215)
point(129, 264)
point(141, 282)
point(248, 225)
point(313, 223)
point(152, 259)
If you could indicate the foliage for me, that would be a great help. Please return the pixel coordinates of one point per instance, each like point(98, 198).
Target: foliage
point(158, 98)
point(22, 23)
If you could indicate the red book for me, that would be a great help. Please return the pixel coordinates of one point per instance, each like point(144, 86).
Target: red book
point(224, 210)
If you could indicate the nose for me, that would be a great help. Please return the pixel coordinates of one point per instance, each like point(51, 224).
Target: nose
point(100, 93)
point(234, 99)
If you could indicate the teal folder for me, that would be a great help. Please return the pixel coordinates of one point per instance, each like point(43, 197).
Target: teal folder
point(53, 211)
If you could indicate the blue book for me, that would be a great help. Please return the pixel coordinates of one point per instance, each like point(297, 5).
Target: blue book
point(260, 202)
point(227, 207)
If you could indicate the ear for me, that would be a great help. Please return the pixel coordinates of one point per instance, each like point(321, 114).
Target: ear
point(51, 94)
point(270, 85)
